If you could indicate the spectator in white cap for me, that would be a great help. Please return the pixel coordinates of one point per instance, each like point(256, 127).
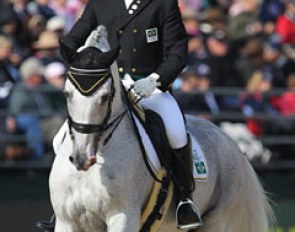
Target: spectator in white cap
point(56, 24)
point(55, 75)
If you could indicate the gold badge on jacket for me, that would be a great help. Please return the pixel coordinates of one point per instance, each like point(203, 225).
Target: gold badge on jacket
point(152, 35)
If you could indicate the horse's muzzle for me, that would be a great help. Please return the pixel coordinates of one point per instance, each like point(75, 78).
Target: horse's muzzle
point(83, 162)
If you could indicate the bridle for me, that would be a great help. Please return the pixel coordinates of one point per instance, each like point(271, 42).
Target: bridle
point(98, 129)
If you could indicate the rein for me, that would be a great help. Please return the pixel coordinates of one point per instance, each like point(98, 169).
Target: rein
point(99, 129)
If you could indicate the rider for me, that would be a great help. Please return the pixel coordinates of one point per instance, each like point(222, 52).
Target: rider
point(153, 52)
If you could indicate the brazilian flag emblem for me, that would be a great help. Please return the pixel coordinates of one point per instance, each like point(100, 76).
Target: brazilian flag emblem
point(152, 33)
point(200, 167)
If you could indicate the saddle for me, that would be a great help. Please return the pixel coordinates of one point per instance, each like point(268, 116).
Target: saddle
point(173, 162)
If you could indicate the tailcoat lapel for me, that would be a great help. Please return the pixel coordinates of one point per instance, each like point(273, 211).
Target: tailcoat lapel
point(124, 16)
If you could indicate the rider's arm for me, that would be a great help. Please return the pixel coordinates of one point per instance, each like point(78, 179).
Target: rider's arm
point(83, 27)
point(175, 46)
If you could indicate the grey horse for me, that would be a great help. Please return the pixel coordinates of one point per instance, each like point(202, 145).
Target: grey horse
point(106, 185)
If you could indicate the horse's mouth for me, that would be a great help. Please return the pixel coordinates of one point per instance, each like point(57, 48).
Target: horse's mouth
point(85, 164)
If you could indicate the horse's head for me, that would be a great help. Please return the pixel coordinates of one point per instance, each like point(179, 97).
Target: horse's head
point(89, 90)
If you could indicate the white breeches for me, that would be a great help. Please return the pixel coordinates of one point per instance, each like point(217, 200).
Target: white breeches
point(166, 106)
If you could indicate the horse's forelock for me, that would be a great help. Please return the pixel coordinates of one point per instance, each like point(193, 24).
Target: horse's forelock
point(88, 58)
point(94, 58)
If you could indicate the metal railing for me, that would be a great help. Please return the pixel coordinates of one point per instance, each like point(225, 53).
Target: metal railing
point(267, 140)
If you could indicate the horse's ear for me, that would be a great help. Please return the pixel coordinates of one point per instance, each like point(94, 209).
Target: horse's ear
point(108, 57)
point(67, 53)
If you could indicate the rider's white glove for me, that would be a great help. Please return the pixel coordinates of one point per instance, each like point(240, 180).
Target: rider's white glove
point(146, 86)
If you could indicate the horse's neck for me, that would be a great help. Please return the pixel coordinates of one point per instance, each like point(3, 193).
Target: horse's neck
point(118, 104)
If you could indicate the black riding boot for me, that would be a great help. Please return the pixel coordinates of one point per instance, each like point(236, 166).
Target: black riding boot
point(187, 213)
point(46, 226)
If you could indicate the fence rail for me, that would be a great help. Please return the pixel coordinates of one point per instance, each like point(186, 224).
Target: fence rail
point(230, 116)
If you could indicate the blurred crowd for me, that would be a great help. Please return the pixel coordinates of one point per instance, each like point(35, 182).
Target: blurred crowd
point(245, 44)
point(32, 74)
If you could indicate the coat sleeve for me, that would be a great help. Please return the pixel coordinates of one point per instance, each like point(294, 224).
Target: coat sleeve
point(175, 46)
point(82, 28)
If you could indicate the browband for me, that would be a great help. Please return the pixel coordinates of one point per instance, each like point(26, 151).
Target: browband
point(78, 71)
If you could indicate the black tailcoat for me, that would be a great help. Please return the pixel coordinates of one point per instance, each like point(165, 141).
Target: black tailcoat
point(152, 38)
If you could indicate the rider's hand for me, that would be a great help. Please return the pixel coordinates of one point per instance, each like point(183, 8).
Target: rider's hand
point(146, 86)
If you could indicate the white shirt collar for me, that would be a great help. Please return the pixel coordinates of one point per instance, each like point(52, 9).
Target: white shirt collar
point(128, 3)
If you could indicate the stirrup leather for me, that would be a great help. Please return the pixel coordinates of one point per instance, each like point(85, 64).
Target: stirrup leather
point(195, 209)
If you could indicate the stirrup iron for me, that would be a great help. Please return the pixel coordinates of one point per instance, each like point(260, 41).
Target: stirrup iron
point(196, 211)
point(46, 226)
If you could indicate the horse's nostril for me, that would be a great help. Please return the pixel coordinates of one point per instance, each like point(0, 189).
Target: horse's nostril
point(71, 159)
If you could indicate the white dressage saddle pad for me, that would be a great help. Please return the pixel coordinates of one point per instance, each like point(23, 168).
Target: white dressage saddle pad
point(201, 169)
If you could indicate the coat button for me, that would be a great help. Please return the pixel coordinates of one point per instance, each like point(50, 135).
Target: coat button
point(133, 70)
point(134, 7)
point(121, 70)
point(135, 30)
point(130, 11)
point(135, 50)
point(120, 32)
point(121, 51)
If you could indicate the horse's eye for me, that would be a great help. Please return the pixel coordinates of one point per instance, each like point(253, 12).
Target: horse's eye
point(104, 98)
point(67, 94)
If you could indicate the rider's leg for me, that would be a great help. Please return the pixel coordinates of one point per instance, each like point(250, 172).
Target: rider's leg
point(166, 106)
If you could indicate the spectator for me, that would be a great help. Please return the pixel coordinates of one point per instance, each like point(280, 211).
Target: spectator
point(40, 7)
point(55, 76)
point(25, 104)
point(196, 48)
point(33, 111)
point(32, 30)
point(251, 58)
point(284, 124)
point(195, 5)
point(271, 10)
point(254, 101)
point(46, 47)
point(20, 8)
point(190, 22)
point(67, 10)
point(56, 24)
point(10, 27)
point(276, 64)
point(9, 74)
point(222, 74)
point(285, 104)
point(212, 19)
point(219, 56)
point(244, 23)
point(194, 94)
point(286, 23)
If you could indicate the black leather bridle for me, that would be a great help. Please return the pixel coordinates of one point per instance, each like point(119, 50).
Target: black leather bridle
point(98, 129)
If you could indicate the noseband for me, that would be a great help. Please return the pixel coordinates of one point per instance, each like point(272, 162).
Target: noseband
point(98, 78)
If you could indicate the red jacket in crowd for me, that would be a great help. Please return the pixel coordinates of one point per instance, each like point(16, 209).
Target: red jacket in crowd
point(286, 29)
